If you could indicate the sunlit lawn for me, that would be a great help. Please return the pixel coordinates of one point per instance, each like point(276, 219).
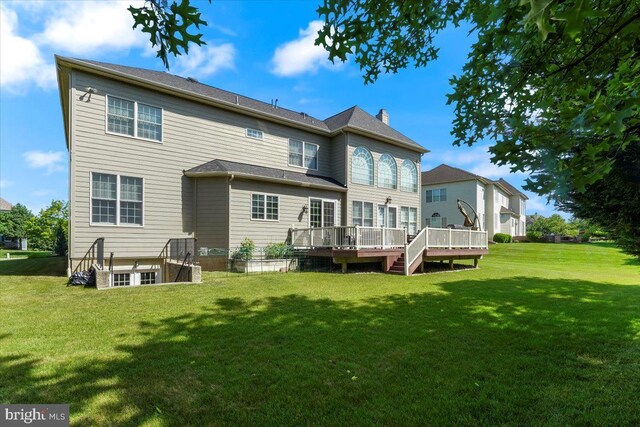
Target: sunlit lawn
point(540, 334)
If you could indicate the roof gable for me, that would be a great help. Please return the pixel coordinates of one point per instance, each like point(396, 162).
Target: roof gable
point(445, 173)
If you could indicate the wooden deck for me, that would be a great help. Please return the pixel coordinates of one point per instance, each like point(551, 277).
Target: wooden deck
point(390, 258)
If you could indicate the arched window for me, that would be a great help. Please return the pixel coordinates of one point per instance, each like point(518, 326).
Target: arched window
point(408, 177)
point(436, 221)
point(362, 167)
point(387, 172)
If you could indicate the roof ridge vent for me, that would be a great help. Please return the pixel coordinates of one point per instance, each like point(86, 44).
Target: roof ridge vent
point(191, 79)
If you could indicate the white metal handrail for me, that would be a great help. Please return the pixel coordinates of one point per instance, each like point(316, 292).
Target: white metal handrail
point(356, 237)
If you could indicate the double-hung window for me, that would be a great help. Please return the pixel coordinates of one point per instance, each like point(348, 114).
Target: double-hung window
point(265, 207)
point(439, 195)
point(362, 214)
point(116, 199)
point(303, 154)
point(409, 219)
point(131, 118)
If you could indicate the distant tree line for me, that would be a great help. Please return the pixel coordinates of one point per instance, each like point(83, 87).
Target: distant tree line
point(47, 231)
point(539, 226)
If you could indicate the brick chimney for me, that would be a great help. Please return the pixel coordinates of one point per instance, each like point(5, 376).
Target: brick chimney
point(383, 116)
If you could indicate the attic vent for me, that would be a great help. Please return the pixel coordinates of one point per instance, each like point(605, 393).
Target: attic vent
point(191, 79)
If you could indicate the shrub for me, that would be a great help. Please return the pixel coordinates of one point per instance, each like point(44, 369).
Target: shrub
point(277, 251)
point(60, 242)
point(245, 251)
point(502, 238)
point(534, 236)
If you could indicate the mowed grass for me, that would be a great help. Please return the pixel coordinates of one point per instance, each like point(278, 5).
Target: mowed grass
point(540, 335)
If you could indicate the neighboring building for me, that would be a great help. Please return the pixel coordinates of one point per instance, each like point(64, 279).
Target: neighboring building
point(7, 242)
point(154, 156)
point(500, 206)
point(5, 206)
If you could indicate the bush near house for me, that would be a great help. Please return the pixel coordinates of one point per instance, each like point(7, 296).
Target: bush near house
point(277, 251)
point(245, 251)
point(502, 238)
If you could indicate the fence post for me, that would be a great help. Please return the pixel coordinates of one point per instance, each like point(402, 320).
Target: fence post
point(450, 230)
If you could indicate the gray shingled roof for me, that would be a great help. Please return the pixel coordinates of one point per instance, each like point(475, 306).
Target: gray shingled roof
point(4, 205)
point(513, 190)
point(223, 167)
point(354, 117)
point(445, 173)
point(193, 86)
point(504, 210)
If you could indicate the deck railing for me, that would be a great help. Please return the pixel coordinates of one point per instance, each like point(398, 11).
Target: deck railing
point(348, 237)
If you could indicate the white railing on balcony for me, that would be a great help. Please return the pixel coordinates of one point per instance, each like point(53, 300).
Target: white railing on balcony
point(352, 237)
point(445, 238)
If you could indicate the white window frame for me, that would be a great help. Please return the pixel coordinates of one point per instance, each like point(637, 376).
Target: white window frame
point(372, 182)
point(259, 138)
point(323, 201)
point(373, 213)
point(394, 184)
point(135, 120)
point(409, 222)
point(135, 277)
point(117, 224)
point(304, 150)
point(265, 206)
point(386, 215)
point(417, 176)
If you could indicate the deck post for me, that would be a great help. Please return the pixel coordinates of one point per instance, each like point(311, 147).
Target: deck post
point(310, 237)
point(469, 238)
point(382, 232)
point(426, 238)
point(450, 264)
point(475, 262)
point(450, 230)
point(344, 266)
point(357, 239)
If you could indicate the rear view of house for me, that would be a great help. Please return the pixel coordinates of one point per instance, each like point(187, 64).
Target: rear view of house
point(163, 166)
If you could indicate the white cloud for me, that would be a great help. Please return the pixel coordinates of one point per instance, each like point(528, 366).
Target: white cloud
point(21, 61)
point(52, 161)
point(301, 56)
point(205, 60)
point(91, 28)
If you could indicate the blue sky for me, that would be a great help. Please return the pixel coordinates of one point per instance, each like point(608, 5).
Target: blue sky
point(256, 48)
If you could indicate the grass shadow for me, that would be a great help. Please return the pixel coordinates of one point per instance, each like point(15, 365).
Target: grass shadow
point(36, 266)
point(515, 351)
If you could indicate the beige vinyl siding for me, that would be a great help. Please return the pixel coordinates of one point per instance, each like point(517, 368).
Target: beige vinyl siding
point(212, 211)
point(339, 148)
point(291, 201)
point(374, 194)
point(192, 134)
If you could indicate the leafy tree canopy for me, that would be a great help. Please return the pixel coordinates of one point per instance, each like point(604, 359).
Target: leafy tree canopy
point(555, 84)
point(168, 25)
point(41, 229)
point(13, 224)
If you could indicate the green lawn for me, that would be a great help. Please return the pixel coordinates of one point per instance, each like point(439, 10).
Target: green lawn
point(540, 334)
